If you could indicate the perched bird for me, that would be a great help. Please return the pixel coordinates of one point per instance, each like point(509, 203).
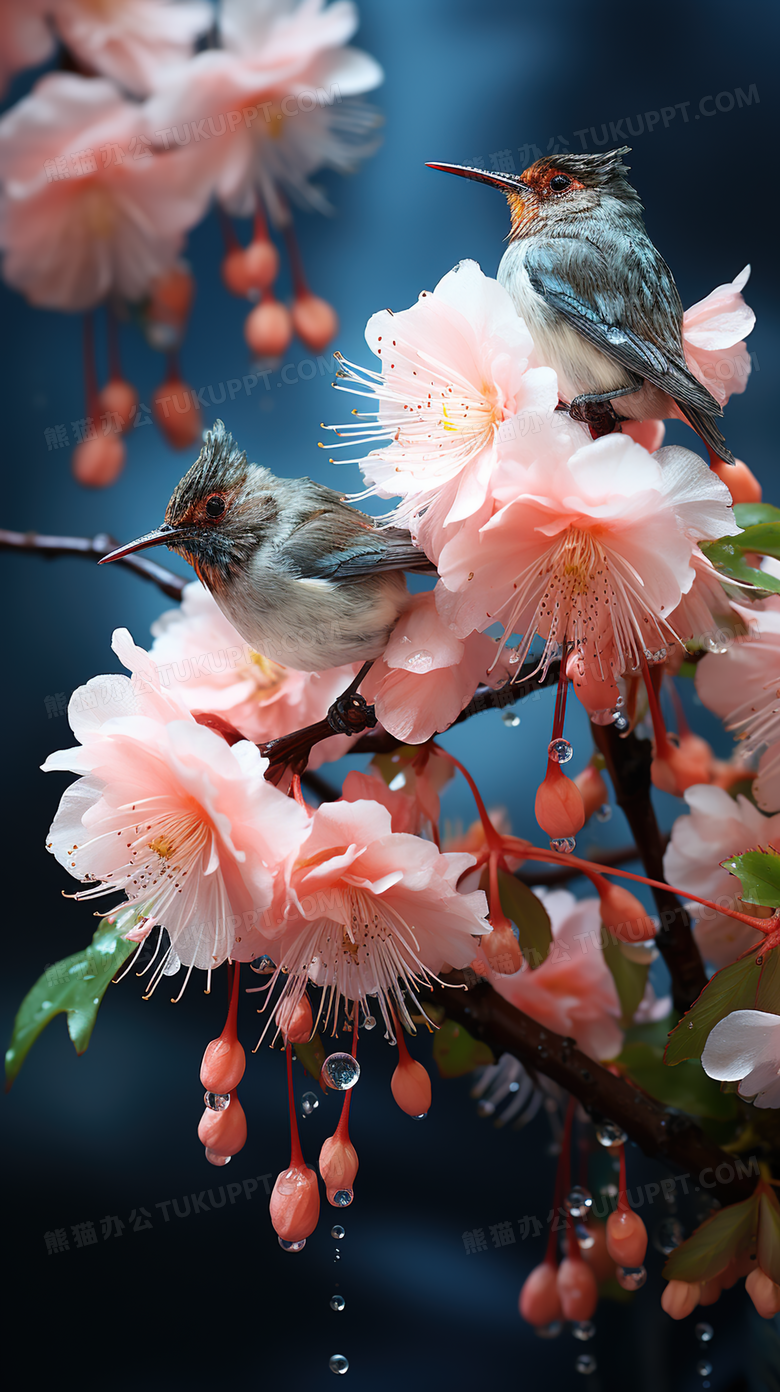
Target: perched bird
point(599, 301)
point(306, 579)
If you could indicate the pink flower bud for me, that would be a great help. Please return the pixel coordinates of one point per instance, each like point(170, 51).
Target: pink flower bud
point(577, 1289)
point(764, 1293)
point(743, 486)
point(268, 329)
point(410, 1083)
point(295, 1203)
point(118, 399)
point(689, 762)
point(710, 1291)
point(594, 685)
point(224, 1133)
point(177, 413)
point(171, 297)
point(314, 321)
point(539, 1301)
point(626, 1237)
point(559, 808)
point(295, 1020)
point(680, 1298)
point(223, 1064)
point(99, 462)
point(593, 789)
point(502, 950)
point(624, 916)
point(338, 1163)
point(250, 268)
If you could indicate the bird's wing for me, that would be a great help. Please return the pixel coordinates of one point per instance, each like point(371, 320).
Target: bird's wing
point(573, 277)
point(336, 542)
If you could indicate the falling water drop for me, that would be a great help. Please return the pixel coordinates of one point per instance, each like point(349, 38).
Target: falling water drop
point(579, 1201)
point(565, 844)
point(217, 1101)
point(585, 1364)
point(584, 1236)
point(485, 1108)
point(583, 1330)
point(420, 1116)
point(604, 813)
point(263, 965)
point(342, 1198)
point(340, 1071)
point(337, 1231)
point(292, 1246)
point(420, 661)
point(309, 1103)
point(608, 1134)
point(549, 1331)
point(668, 1234)
point(510, 717)
point(631, 1278)
point(560, 751)
point(621, 723)
point(704, 1333)
point(215, 1159)
point(704, 1367)
point(337, 1302)
point(338, 1363)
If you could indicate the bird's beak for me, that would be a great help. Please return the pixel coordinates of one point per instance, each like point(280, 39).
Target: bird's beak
point(161, 536)
point(508, 183)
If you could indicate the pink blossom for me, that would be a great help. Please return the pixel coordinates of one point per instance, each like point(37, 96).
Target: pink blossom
point(427, 674)
point(456, 375)
point(81, 216)
point(134, 42)
point(167, 812)
point(741, 685)
point(745, 1046)
point(276, 104)
point(572, 992)
point(206, 662)
point(372, 912)
point(716, 826)
point(713, 330)
point(595, 544)
point(411, 797)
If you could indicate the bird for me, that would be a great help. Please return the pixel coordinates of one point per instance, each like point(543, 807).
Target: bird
point(306, 579)
point(599, 301)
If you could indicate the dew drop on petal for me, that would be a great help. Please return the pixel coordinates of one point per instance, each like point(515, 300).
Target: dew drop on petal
point(608, 1134)
point(566, 844)
point(337, 1231)
point(631, 1277)
point(340, 1071)
point(263, 965)
point(337, 1302)
point(583, 1330)
point(217, 1101)
point(338, 1363)
point(510, 717)
point(292, 1246)
point(704, 1333)
point(560, 751)
point(579, 1202)
point(309, 1103)
point(585, 1364)
point(215, 1159)
point(342, 1198)
point(420, 661)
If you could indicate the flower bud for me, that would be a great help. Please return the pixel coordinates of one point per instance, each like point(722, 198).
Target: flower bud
point(261, 261)
point(577, 1289)
point(118, 399)
point(710, 1291)
point(224, 1133)
point(539, 1301)
point(597, 1256)
point(314, 321)
point(593, 789)
point(295, 1203)
point(98, 463)
point(171, 296)
point(690, 761)
point(295, 1019)
point(502, 950)
point(743, 485)
point(268, 329)
point(411, 1087)
point(680, 1298)
point(764, 1293)
point(559, 808)
point(626, 1237)
point(223, 1064)
point(624, 916)
point(338, 1163)
point(177, 413)
point(594, 684)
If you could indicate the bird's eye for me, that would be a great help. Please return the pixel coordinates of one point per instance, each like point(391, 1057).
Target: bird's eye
point(559, 183)
point(215, 506)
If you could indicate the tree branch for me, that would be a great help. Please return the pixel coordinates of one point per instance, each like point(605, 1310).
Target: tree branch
point(93, 549)
point(628, 761)
point(662, 1135)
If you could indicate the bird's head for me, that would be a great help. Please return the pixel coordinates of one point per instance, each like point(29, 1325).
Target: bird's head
point(219, 513)
point(558, 188)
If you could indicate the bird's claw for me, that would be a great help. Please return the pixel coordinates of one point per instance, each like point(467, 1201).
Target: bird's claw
point(600, 416)
point(350, 714)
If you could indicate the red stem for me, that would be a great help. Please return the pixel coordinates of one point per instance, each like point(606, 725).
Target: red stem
point(622, 1202)
point(260, 230)
point(662, 746)
point(232, 1015)
point(300, 286)
point(90, 369)
point(114, 362)
point(494, 840)
point(296, 1154)
point(229, 235)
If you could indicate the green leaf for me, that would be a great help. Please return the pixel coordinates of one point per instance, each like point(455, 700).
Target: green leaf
point(630, 977)
point(312, 1056)
point(728, 554)
point(456, 1052)
point(768, 1249)
point(686, 1088)
point(529, 916)
point(740, 986)
point(751, 514)
point(727, 1234)
point(75, 985)
point(759, 875)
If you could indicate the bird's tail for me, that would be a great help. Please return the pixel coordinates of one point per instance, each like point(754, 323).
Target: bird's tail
point(707, 431)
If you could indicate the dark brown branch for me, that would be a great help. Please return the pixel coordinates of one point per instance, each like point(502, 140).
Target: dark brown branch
point(93, 548)
point(628, 762)
point(670, 1137)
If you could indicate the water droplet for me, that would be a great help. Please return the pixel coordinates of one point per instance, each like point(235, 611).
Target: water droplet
point(621, 723)
point(217, 1101)
point(604, 813)
point(340, 1071)
point(605, 716)
point(421, 1116)
point(565, 844)
point(420, 661)
point(485, 1108)
point(667, 1234)
point(609, 1190)
point(263, 965)
point(342, 1198)
point(292, 1246)
point(608, 1134)
point(579, 1201)
point(631, 1277)
point(337, 1302)
point(215, 1159)
point(704, 1367)
point(510, 717)
point(583, 1330)
point(560, 751)
point(584, 1236)
point(549, 1331)
point(585, 1364)
point(338, 1363)
point(369, 1023)
point(704, 1333)
point(514, 658)
point(337, 1231)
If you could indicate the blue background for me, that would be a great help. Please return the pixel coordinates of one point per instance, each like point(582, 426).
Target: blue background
point(198, 1304)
